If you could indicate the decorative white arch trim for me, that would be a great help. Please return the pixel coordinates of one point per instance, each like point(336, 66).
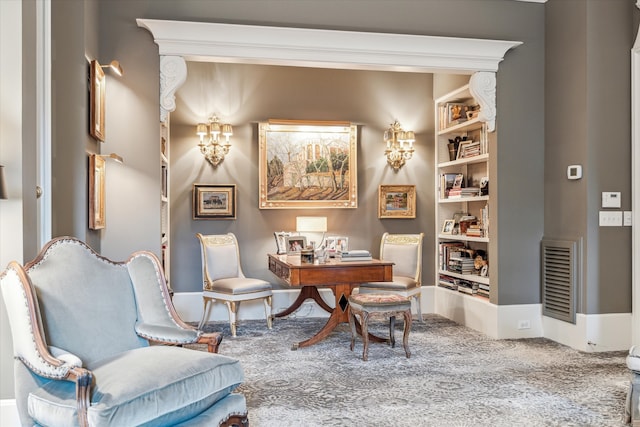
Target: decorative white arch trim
point(213, 42)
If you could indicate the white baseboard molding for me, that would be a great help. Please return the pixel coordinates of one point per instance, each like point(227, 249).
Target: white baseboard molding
point(592, 332)
point(9, 413)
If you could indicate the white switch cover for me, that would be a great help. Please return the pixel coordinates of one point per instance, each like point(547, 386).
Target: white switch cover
point(610, 219)
point(610, 199)
point(627, 218)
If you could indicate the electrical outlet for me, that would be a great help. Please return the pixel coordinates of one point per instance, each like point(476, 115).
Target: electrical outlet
point(524, 324)
point(627, 220)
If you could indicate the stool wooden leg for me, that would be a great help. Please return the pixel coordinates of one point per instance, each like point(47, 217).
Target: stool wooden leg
point(352, 324)
point(392, 330)
point(364, 316)
point(405, 334)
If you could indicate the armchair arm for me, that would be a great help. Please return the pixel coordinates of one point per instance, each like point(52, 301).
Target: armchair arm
point(157, 317)
point(29, 345)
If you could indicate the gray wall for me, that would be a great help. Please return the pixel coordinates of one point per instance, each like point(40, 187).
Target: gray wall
point(588, 122)
point(520, 123)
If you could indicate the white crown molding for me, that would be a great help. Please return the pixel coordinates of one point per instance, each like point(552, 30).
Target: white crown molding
point(213, 42)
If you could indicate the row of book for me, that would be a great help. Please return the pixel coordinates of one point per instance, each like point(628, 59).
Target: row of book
point(464, 286)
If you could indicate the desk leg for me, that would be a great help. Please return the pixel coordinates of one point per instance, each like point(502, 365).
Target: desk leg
point(338, 315)
point(306, 292)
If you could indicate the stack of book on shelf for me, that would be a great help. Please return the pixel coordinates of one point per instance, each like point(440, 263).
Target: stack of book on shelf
point(475, 230)
point(483, 290)
point(356, 255)
point(448, 282)
point(467, 287)
point(464, 192)
point(461, 263)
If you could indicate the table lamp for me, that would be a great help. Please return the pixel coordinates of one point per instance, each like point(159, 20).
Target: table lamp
point(312, 224)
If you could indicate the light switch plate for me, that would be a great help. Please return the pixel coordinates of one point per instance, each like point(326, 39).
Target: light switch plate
point(611, 199)
point(627, 218)
point(610, 218)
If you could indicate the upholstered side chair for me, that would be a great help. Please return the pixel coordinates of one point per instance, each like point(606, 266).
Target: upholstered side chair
point(99, 343)
point(405, 251)
point(223, 279)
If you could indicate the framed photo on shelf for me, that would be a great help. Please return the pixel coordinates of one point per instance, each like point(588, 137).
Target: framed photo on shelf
point(295, 244)
point(214, 201)
point(96, 101)
point(397, 201)
point(97, 206)
point(307, 164)
point(448, 226)
point(281, 241)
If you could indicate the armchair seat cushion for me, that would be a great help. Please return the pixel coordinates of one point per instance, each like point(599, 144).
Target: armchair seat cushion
point(239, 285)
point(132, 386)
point(399, 283)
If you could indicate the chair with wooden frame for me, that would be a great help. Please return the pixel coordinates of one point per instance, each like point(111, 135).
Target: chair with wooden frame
point(223, 279)
point(405, 250)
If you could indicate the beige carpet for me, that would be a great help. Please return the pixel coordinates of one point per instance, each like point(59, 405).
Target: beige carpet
point(455, 377)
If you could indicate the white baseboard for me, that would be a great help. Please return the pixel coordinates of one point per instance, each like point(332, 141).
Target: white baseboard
point(9, 413)
point(592, 332)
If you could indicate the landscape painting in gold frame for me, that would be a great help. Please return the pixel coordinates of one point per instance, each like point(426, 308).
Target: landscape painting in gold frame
point(307, 164)
point(97, 207)
point(96, 101)
point(397, 201)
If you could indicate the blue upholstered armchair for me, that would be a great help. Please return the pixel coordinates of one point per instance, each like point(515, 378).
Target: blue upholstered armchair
point(90, 343)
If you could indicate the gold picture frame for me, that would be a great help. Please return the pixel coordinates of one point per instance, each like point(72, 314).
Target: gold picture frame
point(97, 207)
point(214, 201)
point(397, 201)
point(96, 101)
point(307, 164)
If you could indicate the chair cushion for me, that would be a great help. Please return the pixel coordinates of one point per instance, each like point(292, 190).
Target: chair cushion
point(376, 302)
point(151, 386)
point(633, 359)
point(399, 283)
point(239, 285)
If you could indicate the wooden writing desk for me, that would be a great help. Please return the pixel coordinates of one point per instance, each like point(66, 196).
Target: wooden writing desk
point(340, 277)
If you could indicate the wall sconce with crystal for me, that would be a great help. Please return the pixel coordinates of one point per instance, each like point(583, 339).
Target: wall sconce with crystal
point(399, 145)
point(212, 146)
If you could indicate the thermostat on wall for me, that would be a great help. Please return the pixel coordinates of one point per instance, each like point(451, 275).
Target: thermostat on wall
point(574, 172)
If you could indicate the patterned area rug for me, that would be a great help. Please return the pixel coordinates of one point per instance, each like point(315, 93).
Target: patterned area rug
point(455, 377)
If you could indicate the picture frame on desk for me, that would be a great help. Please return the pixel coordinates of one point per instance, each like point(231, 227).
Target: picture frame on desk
point(335, 244)
point(397, 201)
point(281, 241)
point(295, 244)
point(307, 164)
point(214, 201)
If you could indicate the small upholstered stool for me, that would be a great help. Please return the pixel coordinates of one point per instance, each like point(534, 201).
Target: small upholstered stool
point(379, 305)
point(632, 407)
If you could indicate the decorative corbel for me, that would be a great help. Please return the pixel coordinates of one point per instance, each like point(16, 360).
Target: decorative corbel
point(173, 73)
point(482, 86)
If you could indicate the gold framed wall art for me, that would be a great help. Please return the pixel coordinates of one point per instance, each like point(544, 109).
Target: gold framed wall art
point(214, 201)
point(307, 164)
point(97, 207)
point(96, 101)
point(397, 201)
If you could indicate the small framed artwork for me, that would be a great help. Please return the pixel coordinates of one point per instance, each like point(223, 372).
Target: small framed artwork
point(96, 192)
point(295, 244)
point(397, 201)
point(447, 227)
point(214, 201)
point(96, 101)
point(281, 241)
